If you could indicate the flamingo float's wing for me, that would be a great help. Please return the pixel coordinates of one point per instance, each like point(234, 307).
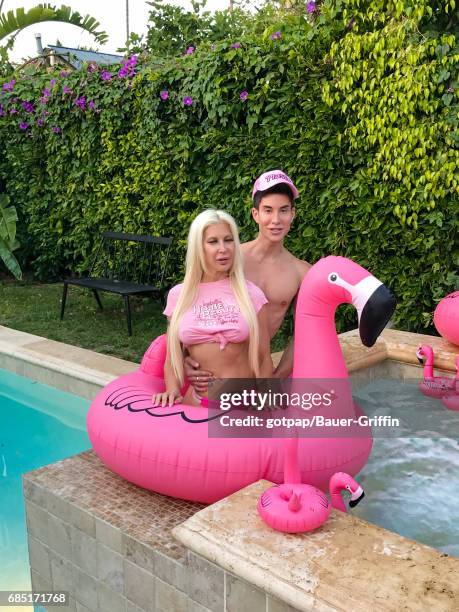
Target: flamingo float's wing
point(136, 399)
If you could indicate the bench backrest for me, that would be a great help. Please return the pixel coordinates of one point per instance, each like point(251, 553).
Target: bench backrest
point(132, 257)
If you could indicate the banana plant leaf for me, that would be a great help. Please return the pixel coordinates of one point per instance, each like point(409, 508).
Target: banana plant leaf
point(8, 242)
point(13, 22)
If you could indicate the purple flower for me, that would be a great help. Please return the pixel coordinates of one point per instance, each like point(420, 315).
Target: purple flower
point(63, 73)
point(52, 82)
point(128, 67)
point(56, 129)
point(9, 86)
point(28, 107)
point(187, 101)
point(311, 6)
point(189, 51)
point(23, 125)
point(244, 95)
point(236, 46)
point(81, 102)
point(46, 92)
point(2, 111)
point(92, 67)
point(276, 35)
point(67, 89)
point(13, 111)
point(105, 75)
point(91, 104)
point(40, 122)
point(164, 95)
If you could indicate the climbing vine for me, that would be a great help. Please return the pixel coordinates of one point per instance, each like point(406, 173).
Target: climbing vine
point(356, 99)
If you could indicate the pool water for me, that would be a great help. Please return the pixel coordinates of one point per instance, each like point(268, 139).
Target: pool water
point(411, 483)
point(39, 425)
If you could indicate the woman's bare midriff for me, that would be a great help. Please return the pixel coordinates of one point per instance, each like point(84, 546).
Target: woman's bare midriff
point(230, 362)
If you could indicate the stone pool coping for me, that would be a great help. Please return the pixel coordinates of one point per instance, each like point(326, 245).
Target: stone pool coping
point(379, 570)
point(83, 372)
point(305, 570)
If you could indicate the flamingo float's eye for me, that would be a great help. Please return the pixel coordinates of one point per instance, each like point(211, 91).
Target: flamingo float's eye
point(348, 487)
point(333, 277)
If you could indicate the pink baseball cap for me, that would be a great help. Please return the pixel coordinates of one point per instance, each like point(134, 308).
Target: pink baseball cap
point(271, 178)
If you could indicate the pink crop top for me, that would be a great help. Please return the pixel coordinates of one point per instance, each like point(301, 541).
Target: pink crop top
point(215, 315)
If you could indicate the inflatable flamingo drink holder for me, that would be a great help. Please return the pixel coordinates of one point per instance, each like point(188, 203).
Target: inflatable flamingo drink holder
point(295, 507)
point(432, 386)
point(168, 450)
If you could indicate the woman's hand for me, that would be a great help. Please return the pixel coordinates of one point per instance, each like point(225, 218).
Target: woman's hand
point(168, 398)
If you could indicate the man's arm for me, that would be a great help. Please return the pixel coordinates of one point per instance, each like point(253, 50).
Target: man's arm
point(266, 363)
point(285, 366)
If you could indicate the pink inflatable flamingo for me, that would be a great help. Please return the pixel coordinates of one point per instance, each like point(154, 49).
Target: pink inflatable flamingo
point(451, 398)
point(432, 386)
point(304, 508)
point(295, 507)
point(172, 451)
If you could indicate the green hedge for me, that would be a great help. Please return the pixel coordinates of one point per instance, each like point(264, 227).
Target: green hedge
point(357, 101)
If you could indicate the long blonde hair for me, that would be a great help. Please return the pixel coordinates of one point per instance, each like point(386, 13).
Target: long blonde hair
point(195, 269)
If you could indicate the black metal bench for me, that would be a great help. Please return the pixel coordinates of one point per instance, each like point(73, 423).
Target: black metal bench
point(126, 264)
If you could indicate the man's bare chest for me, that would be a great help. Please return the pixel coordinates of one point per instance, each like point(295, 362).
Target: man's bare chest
point(278, 282)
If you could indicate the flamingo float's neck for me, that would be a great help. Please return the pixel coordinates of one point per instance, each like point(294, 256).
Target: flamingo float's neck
point(428, 371)
point(292, 474)
point(317, 351)
point(337, 501)
point(317, 355)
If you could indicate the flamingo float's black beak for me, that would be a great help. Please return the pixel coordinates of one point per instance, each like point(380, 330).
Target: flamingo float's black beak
point(353, 502)
point(375, 314)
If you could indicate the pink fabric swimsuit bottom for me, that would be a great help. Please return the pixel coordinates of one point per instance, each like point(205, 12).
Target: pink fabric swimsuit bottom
point(215, 315)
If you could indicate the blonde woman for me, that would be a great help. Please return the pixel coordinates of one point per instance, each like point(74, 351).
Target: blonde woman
point(216, 314)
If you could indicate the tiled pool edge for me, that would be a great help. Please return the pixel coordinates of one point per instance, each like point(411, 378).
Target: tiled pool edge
point(111, 560)
point(231, 587)
point(68, 368)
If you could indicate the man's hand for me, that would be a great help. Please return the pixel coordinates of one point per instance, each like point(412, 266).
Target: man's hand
point(199, 379)
point(168, 398)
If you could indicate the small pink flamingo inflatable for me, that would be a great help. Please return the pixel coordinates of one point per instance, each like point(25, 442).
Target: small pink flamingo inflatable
point(451, 398)
point(432, 386)
point(296, 508)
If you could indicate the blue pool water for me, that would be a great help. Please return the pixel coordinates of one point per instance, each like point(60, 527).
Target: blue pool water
point(39, 425)
point(411, 482)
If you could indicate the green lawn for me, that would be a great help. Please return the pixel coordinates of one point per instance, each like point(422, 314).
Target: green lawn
point(35, 308)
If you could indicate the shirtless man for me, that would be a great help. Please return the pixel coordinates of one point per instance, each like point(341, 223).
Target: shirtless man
point(267, 263)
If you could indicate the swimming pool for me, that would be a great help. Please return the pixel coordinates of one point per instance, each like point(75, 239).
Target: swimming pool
point(39, 425)
point(412, 482)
